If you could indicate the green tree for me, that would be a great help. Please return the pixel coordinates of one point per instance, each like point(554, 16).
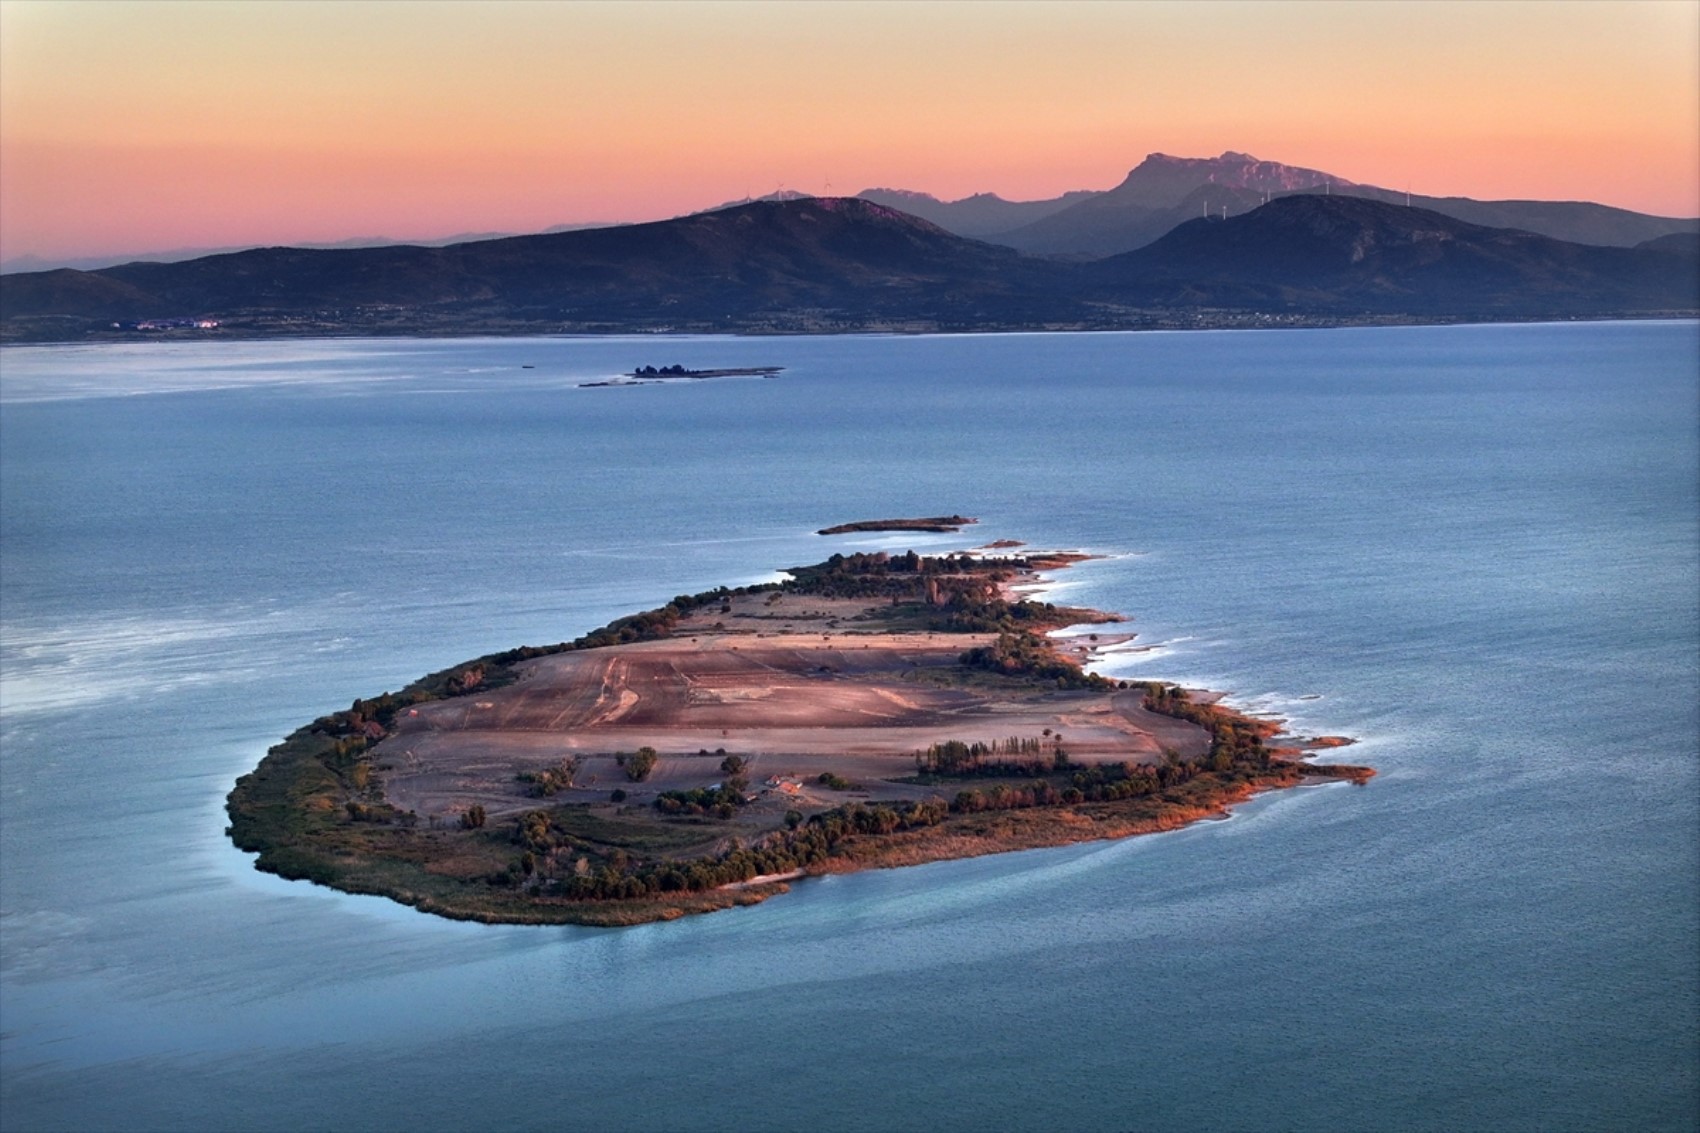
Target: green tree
point(639, 764)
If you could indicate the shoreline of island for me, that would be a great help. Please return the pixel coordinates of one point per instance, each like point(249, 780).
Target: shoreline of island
point(240, 328)
point(327, 804)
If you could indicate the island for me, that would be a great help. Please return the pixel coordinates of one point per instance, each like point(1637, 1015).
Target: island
point(933, 523)
point(649, 375)
point(869, 711)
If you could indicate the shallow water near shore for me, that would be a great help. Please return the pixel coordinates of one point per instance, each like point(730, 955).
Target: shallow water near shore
point(1475, 548)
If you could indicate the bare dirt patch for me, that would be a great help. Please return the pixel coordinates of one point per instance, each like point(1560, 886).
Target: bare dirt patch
point(794, 705)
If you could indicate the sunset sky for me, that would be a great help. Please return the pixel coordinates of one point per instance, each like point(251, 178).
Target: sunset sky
point(133, 126)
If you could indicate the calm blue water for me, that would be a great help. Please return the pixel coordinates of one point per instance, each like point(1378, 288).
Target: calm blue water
point(1479, 547)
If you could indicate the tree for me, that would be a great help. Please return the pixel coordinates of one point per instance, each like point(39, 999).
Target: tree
point(639, 764)
point(473, 818)
point(734, 765)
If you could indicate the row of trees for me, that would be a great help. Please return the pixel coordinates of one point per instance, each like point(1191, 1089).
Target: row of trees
point(957, 757)
point(809, 843)
point(721, 801)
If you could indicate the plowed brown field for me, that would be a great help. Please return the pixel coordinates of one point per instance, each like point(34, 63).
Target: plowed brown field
point(794, 702)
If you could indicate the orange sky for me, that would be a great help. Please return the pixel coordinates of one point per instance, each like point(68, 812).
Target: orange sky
point(133, 126)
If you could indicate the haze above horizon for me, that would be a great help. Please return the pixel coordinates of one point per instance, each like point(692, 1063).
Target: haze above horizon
point(136, 127)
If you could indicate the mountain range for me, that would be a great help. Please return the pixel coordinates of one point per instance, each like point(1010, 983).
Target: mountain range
point(1156, 195)
point(814, 263)
point(842, 264)
point(1179, 241)
point(1345, 254)
point(1162, 192)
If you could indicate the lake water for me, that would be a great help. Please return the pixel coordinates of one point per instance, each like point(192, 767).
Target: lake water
point(1476, 548)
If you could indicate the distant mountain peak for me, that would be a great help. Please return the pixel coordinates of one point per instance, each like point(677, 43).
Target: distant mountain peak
point(887, 196)
point(776, 195)
point(899, 194)
point(1170, 159)
point(856, 206)
point(1163, 180)
point(980, 215)
point(1158, 158)
point(857, 212)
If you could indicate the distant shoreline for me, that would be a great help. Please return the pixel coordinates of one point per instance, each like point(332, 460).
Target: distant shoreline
point(1241, 321)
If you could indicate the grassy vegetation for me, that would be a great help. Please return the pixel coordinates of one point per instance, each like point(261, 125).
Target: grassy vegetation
point(641, 831)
